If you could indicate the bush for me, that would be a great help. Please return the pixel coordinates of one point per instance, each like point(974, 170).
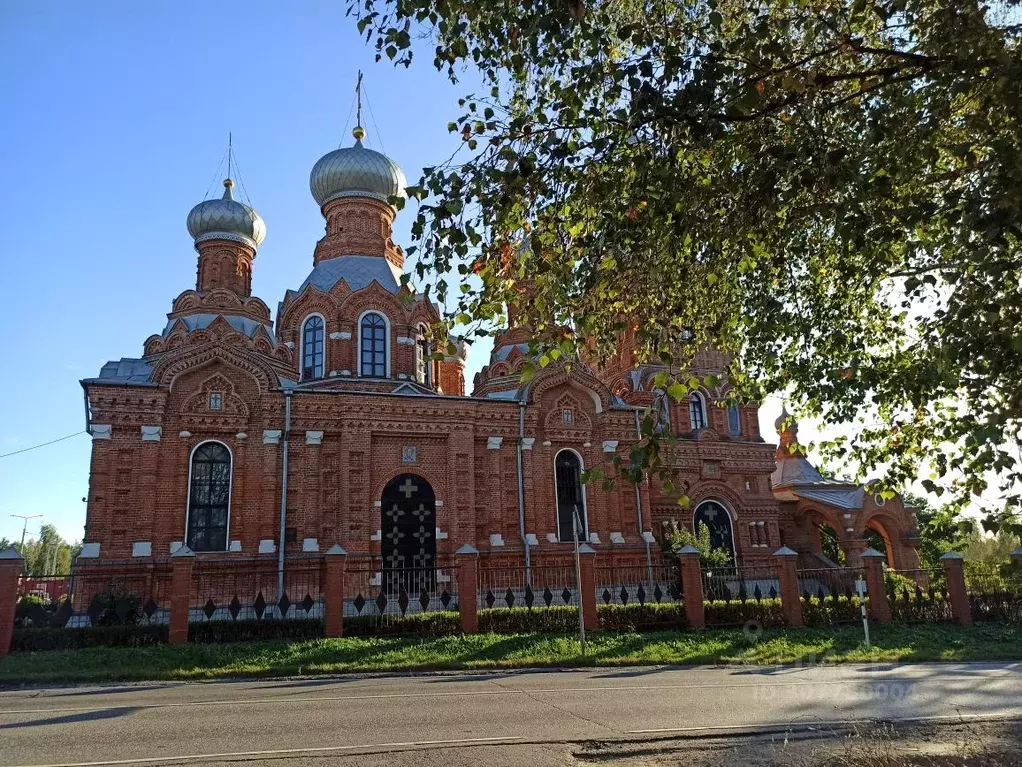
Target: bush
point(766, 612)
point(670, 615)
point(522, 620)
point(36, 639)
point(208, 632)
point(831, 611)
point(439, 623)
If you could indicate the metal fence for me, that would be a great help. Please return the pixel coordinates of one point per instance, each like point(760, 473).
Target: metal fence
point(539, 587)
point(247, 589)
point(389, 599)
point(739, 596)
point(919, 595)
point(638, 584)
point(830, 595)
point(995, 593)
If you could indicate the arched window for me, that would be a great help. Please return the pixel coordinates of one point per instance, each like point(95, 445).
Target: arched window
point(373, 345)
point(734, 421)
point(422, 362)
point(571, 498)
point(312, 348)
point(716, 518)
point(696, 411)
point(209, 497)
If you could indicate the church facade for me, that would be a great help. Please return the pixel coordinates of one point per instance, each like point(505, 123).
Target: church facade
point(330, 421)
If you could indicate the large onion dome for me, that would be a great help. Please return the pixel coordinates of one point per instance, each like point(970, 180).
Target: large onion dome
point(356, 172)
point(226, 219)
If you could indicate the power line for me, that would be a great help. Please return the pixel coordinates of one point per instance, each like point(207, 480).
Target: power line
point(44, 444)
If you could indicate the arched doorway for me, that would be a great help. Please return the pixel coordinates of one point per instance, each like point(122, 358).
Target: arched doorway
point(830, 544)
point(571, 497)
point(408, 527)
point(717, 520)
point(879, 539)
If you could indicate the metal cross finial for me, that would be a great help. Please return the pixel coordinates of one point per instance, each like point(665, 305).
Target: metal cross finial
point(359, 132)
point(230, 151)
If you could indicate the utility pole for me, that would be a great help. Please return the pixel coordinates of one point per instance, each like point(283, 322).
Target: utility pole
point(24, 528)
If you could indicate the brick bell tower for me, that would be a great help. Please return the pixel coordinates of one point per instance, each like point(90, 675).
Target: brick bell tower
point(227, 234)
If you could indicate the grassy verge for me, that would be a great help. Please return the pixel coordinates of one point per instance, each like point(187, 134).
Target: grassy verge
point(925, 642)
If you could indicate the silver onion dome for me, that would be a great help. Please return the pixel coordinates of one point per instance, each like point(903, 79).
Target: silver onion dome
point(356, 172)
point(226, 219)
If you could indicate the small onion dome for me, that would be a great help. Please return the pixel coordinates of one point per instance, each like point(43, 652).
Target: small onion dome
point(356, 172)
point(226, 219)
point(785, 424)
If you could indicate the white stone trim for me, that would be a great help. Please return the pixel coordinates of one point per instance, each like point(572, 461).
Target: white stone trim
point(271, 436)
point(377, 536)
point(378, 504)
point(528, 442)
point(594, 537)
point(290, 344)
point(340, 335)
point(376, 579)
point(617, 538)
point(442, 577)
point(175, 545)
point(241, 435)
point(142, 549)
point(552, 537)
point(102, 430)
point(313, 438)
point(405, 341)
point(494, 443)
point(441, 535)
point(89, 551)
point(235, 546)
point(310, 544)
point(547, 443)
point(438, 504)
point(184, 434)
point(152, 433)
point(496, 539)
point(647, 536)
point(610, 446)
point(267, 546)
point(587, 444)
point(345, 372)
point(531, 539)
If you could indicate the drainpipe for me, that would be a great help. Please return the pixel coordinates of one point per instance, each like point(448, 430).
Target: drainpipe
point(282, 543)
point(521, 494)
point(638, 505)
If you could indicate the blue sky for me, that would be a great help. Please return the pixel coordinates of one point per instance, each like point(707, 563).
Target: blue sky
point(116, 116)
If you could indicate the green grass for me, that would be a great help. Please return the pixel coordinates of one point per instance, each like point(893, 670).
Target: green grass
point(925, 642)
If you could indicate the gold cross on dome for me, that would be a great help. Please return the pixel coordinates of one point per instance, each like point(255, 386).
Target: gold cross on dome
point(408, 488)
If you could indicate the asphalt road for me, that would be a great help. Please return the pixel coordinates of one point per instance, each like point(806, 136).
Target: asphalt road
point(484, 718)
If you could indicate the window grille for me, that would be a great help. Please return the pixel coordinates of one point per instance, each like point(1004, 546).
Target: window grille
point(209, 497)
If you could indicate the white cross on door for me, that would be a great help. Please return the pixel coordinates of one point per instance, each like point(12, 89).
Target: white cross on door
point(408, 488)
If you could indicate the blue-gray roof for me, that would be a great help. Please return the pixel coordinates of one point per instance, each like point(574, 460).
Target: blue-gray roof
point(357, 271)
point(245, 325)
point(847, 498)
point(504, 352)
point(126, 370)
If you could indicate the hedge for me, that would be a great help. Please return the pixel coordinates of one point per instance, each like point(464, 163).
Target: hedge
point(831, 611)
point(210, 632)
point(766, 612)
point(33, 639)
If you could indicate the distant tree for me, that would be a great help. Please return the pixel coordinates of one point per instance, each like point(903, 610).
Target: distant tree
point(49, 553)
point(7, 543)
point(942, 528)
point(677, 537)
point(827, 191)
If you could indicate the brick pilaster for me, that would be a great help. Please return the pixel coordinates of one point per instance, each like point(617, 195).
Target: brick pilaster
point(467, 558)
point(334, 563)
point(955, 573)
point(692, 587)
point(11, 564)
point(183, 560)
point(587, 580)
point(873, 564)
point(787, 571)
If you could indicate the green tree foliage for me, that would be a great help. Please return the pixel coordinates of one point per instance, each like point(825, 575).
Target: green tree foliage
point(49, 553)
point(829, 192)
point(942, 528)
point(677, 537)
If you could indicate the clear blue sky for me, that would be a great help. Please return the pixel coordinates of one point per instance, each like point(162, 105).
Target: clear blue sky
point(116, 116)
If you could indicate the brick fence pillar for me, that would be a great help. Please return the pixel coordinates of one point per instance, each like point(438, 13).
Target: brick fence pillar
point(955, 573)
point(787, 573)
point(692, 586)
point(334, 563)
point(587, 579)
point(876, 587)
point(183, 560)
point(11, 564)
point(467, 558)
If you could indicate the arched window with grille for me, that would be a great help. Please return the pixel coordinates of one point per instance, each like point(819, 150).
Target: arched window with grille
point(423, 364)
point(734, 421)
point(373, 345)
point(571, 498)
point(209, 497)
point(313, 331)
point(697, 411)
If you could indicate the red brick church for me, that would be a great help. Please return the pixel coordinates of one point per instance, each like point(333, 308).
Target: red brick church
point(238, 431)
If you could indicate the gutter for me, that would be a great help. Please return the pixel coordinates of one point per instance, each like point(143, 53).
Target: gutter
point(638, 505)
point(521, 494)
point(88, 410)
point(282, 544)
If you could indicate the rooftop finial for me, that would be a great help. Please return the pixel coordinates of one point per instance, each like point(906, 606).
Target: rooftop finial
point(228, 184)
point(359, 132)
